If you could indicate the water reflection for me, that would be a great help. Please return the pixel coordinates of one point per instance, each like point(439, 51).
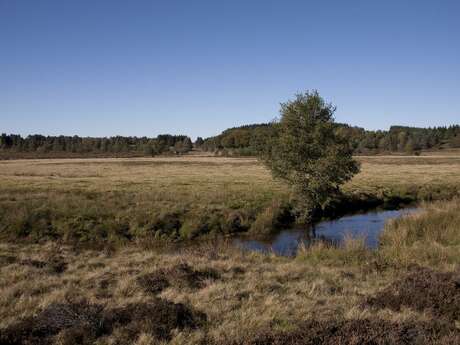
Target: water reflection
point(368, 225)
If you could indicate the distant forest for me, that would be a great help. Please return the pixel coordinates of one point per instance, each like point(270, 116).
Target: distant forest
point(238, 141)
point(15, 146)
point(247, 140)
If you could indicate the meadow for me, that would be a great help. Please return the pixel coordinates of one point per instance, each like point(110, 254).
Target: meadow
point(158, 199)
point(134, 288)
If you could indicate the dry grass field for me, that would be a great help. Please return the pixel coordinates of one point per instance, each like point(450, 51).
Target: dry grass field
point(192, 179)
point(425, 177)
point(208, 179)
point(52, 292)
point(184, 197)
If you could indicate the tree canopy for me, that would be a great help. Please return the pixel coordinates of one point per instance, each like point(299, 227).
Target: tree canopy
point(247, 140)
point(39, 145)
point(309, 153)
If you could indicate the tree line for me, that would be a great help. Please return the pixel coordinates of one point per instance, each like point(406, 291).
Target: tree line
point(246, 140)
point(249, 140)
point(14, 145)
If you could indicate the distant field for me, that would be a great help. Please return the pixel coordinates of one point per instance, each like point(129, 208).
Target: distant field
point(208, 176)
point(197, 180)
point(437, 175)
point(136, 196)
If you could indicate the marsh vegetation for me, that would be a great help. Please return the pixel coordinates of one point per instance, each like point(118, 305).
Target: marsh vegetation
point(133, 287)
point(407, 291)
point(157, 199)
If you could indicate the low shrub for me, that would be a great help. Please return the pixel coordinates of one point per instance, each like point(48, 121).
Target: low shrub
point(180, 276)
point(352, 251)
point(83, 323)
point(430, 236)
point(200, 223)
point(31, 221)
point(272, 218)
point(234, 221)
point(424, 290)
point(373, 331)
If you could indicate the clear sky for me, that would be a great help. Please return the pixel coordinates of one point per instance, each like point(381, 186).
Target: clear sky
point(144, 67)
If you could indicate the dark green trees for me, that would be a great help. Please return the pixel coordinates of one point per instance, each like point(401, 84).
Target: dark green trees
point(247, 140)
point(68, 146)
point(308, 152)
point(188, 145)
point(199, 142)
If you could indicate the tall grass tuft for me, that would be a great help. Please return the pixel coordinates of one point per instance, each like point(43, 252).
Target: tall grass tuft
point(430, 237)
point(351, 251)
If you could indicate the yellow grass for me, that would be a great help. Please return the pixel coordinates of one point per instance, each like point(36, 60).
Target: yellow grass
point(205, 179)
point(253, 292)
point(406, 172)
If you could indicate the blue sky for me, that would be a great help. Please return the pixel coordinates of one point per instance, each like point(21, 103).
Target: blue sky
point(108, 67)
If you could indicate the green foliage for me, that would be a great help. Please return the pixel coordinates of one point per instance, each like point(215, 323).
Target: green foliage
point(63, 146)
point(199, 223)
point(240, 141)
point(235, 221)
point(249, 140)
point(192, 228)
point(246, 140)
point(271, 219)
point(309, 154)
point(199, 142)
point(166, 224)
point(29, 222)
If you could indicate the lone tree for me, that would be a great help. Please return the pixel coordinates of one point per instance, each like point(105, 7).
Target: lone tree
point(309, 153)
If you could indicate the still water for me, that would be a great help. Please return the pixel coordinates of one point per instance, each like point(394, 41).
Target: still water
point(367, 225)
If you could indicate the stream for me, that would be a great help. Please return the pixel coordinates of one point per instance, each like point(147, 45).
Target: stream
point(367, 225)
